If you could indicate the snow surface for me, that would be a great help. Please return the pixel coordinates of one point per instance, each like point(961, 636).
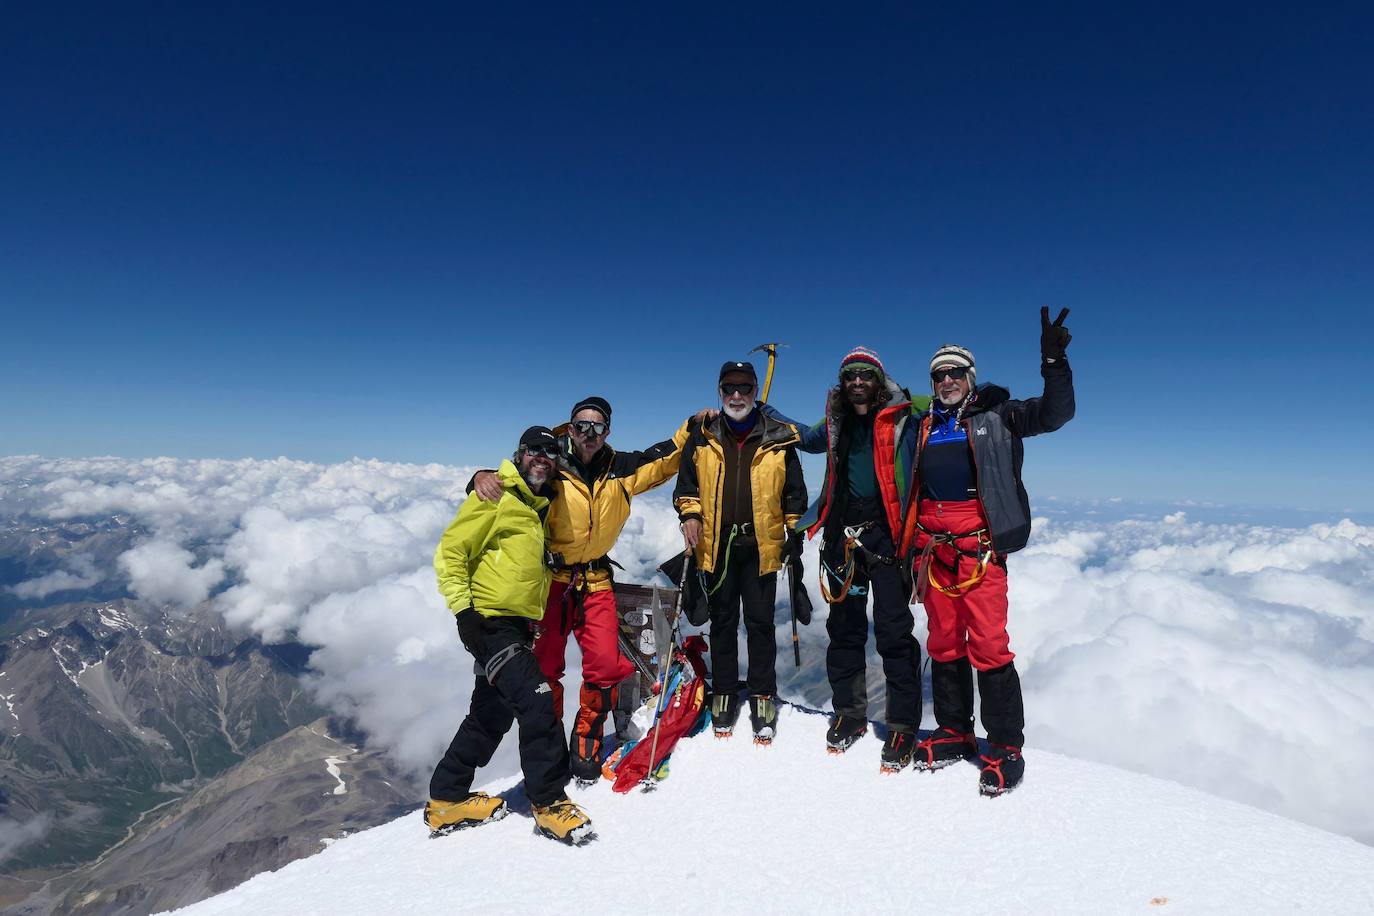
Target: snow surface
point(789, 828)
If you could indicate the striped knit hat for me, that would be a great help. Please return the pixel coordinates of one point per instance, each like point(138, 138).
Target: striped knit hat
point(863, 358)
point(952, 355)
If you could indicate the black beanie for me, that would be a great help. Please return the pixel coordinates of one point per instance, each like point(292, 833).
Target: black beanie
point(595, 403)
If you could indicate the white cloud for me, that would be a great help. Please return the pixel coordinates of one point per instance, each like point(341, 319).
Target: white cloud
point(1236, 659)
point(80, 573)
point(162, 572)
point(15, 835)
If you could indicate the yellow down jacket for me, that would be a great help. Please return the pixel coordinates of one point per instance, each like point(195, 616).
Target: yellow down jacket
point(491, 557)
point(592, 504)
point(775, 482)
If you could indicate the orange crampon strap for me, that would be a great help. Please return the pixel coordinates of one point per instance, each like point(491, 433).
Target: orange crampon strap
point(924, 575)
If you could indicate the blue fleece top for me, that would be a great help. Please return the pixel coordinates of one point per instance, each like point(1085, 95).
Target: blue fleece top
point(946, 470)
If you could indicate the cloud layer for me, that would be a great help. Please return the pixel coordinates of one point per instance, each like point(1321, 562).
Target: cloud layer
point(1235, 658)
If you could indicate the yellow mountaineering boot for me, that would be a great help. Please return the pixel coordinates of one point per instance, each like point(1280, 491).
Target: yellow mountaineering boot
point(563, 821)
point(443, 817)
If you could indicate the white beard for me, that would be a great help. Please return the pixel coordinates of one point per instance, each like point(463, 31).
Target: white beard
point(736, 413)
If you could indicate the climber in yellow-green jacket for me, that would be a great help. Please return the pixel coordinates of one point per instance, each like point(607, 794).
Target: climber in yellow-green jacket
point(493, 576)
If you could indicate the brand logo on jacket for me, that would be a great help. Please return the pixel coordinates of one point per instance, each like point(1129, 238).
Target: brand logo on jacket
point(982, 431)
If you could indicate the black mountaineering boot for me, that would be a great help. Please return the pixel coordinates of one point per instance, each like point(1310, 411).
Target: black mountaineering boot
point(897, 751)
point(1003, 770)
point(595, 705)
point(586, 760)
point(763, 715)
point(843, 732)
point(943, 747)
point(724, 712)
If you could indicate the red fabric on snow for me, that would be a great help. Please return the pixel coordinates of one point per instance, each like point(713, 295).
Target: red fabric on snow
point(677, 720)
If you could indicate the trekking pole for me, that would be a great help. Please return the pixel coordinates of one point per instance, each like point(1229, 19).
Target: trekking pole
point(664, 666)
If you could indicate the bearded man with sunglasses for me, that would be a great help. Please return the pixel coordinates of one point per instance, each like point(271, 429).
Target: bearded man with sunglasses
point(491, 572)
point(865, 438)
point(739, 495)
point(593, 490)
point(969, 512)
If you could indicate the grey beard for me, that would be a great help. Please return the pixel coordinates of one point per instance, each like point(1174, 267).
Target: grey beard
point(736, 413)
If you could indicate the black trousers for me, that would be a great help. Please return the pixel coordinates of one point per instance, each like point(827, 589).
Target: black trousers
point(893, 629)
point(519, 694)
point(742, 585)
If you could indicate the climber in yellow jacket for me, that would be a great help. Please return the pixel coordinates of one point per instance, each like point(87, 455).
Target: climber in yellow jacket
point(593, 491)
point(739, 495)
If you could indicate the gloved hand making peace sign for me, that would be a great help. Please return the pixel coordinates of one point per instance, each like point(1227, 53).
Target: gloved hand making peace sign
point(1053, 337)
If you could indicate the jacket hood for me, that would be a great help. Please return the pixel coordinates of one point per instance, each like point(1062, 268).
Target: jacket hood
point(511, 480)
point(989, 396)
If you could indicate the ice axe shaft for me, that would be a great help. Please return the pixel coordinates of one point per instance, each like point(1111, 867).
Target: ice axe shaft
point(772, 350)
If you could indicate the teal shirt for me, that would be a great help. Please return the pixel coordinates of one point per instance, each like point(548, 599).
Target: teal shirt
point(863, 481)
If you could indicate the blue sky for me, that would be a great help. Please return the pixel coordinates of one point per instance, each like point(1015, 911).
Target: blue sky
point(340, 230)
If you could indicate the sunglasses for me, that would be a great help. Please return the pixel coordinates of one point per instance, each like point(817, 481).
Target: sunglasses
point(958, 373)
point(589, 427)
point(744, 388)
point(863, 375)
point(542, 451)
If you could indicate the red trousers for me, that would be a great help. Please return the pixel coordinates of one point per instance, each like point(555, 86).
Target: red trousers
point(975, 622)
point(602, 663)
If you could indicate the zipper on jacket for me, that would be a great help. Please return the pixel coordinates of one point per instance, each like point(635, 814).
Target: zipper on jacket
point(719, 488)
point(977, 479)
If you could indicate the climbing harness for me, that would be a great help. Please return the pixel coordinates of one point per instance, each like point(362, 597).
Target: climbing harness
point(853, 537)
point(924, 576)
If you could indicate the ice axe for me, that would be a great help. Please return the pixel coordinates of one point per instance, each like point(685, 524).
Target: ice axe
point(772, 350)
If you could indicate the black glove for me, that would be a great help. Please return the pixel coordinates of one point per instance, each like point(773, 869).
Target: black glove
point(470, 632)
point(1054, 338)
point(792, 547)
point(694, 602)
point(801, 601)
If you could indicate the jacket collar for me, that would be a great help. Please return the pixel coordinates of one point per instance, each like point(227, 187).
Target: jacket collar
point(770, 432)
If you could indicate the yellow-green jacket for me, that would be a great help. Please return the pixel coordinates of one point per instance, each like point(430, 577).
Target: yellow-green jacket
point(776, 488)
point(492, 555)
point(593, 502)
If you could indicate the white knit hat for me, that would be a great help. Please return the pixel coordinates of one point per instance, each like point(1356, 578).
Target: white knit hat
point(953, 355)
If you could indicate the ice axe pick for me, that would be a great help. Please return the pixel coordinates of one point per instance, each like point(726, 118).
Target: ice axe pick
point(772, 350)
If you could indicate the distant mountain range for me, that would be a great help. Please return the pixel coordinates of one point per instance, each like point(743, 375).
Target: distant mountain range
point(164, 757)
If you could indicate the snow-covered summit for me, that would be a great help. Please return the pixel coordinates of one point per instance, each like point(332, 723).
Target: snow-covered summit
point(789, 828)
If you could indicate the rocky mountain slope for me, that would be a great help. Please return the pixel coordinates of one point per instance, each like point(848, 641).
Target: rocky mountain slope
point(288, 800)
